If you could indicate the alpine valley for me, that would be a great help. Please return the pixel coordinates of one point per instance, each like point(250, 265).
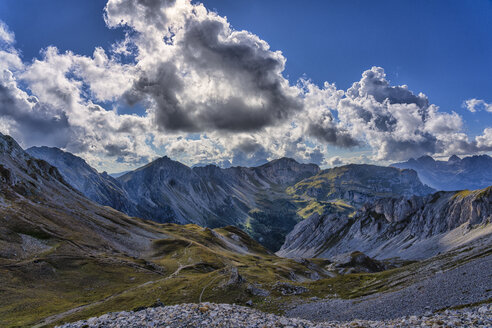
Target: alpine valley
point(288, 238)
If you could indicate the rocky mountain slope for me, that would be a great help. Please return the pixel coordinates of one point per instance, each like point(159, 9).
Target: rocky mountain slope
point(250, 198)
point(406, 227)
point(474, 172)
point(99, 187)
point(234, 316)
point(345, 188)
point(164, 190)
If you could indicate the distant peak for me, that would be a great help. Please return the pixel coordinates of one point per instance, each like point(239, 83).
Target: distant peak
point(46, 148)
point(284, 160)
point(454, 158)
point(166, 161)
point(426, 158)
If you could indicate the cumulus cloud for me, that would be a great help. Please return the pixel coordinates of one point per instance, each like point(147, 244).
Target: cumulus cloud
point(198, 74)
point(56, 111)
point(394, 121)
point(474, 105)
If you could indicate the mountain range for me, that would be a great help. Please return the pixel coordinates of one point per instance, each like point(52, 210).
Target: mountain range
point(265, 201)
point(473, 172)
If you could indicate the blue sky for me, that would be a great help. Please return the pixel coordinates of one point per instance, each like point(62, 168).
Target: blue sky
point(440, 48)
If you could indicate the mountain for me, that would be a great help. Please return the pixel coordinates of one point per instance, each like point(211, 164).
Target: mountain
point(64, 257)
point(406, 227)
point(345, 188)
point(251, 198)
point(265, 201)
point(474, 172)
point(99, 187)
point(168, 191)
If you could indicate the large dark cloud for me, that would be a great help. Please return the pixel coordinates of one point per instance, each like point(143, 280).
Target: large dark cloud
point(245, 76)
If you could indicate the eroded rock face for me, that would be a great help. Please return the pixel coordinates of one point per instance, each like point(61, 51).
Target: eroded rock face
point(407, 227)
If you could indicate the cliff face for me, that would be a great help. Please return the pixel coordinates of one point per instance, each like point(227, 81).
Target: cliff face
point(346, 188)
point(407, 227)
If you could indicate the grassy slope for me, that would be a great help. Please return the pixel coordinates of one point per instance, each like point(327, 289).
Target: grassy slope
point(78, 266)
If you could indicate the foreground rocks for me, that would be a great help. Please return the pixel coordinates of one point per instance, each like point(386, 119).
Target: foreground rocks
point(226, 315)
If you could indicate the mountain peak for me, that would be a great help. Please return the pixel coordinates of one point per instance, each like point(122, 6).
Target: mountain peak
point(454, 159)
point(426, 159)
point(471, 172)
point(9, 146)
point(283, 161)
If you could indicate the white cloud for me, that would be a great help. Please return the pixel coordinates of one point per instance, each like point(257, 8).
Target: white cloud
point(474, 105)
point(6, 36)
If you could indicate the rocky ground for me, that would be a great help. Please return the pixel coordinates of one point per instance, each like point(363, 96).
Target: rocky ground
point(466, 284)
point(226, 315)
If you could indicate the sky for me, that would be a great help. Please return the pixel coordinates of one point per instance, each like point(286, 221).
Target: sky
point(240, 82)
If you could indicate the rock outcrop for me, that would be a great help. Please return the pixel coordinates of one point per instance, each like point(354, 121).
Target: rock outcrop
point(406, 227)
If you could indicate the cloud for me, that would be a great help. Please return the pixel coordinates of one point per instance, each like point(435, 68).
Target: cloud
point(394, 121)
point(474, 105)
point(201, 75)
point(484, 141)
point(6, 36)
point(317, 117)
point(56, 110)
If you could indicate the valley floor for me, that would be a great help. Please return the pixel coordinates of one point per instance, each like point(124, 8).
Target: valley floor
point(470, 283)
point(234, 316)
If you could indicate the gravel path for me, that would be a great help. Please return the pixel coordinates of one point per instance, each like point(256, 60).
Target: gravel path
point(466, 284)
point(233, 316)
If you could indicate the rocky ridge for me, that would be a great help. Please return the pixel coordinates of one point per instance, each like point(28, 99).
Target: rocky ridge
point(407, 227)
point(99, 187)
point(234, 316)
point(346, 188)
